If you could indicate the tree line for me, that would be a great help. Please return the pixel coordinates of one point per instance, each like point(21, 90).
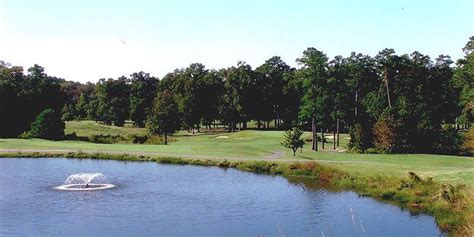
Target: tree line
point(388, 103)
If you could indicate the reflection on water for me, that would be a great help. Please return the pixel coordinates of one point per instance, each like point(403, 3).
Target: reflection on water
point(153, 199)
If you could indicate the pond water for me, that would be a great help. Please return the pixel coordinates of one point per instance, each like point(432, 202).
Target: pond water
point(152, 199)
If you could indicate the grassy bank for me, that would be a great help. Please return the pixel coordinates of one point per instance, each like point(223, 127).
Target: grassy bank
point(451, 205)
point(255, 145)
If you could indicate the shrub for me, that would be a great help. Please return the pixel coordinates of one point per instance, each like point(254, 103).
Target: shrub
point(137, 139)
point(372, 151)
point(449, 141)
point(361, 138)
point(114, 139)
point(385, 134)
point(25, 135)
point(106, 139)
point(468, 143)
point(48, 125)
point(71, 136)
point(149, 139)
point(157, 140)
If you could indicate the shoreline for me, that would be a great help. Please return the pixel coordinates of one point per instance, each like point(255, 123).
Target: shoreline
point(411, 192)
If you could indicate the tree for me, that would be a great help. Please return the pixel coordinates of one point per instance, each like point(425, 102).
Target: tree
point(23, 97)
point(48, 125)
point(396, 103)
point(365, 102)
point(230, 101)
point(113, 102)
point(72, 91)
point(292, 96)
point(165, 117)
point(292, 139)
point(192, 101)
point(339, 93)
point(188, 86)
point(314, 74)
point(142, 92)
point(240, 95)
point(464, 81)
point(11, 79)
point(86, 107)
point(363, 81)
point(270, 86)
point(209, 97)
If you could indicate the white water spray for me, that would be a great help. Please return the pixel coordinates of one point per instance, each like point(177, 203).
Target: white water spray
point(85, 182)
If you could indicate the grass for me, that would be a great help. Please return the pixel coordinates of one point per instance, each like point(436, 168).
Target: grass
point(89, 128)
point(380, 176)
point(256, 145)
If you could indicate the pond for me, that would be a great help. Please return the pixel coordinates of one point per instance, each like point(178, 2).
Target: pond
point(151, 199)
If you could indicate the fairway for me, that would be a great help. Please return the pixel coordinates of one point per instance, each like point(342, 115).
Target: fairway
point(254, 145)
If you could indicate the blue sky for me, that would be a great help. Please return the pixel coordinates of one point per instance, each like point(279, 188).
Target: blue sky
point(87, 40)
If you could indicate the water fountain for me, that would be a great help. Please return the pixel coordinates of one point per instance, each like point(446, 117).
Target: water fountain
point(85, 182)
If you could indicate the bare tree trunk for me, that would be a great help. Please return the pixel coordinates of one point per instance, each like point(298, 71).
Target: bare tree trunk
point(322, 138)
point(166, 139)
point(314, 146)
point(355, 109)
point(386, 87)
point(337, 131)
point(334, 136)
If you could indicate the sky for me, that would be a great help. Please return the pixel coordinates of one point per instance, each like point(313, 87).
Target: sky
point(85, 40)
